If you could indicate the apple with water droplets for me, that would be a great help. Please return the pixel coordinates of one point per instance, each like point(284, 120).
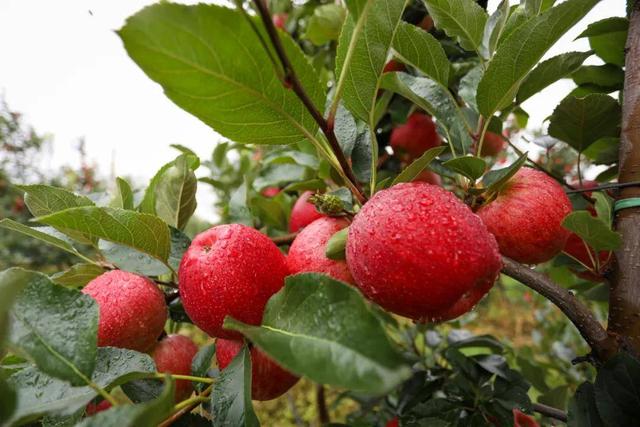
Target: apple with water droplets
point(307, 252)
point(415, 136)
point(418, 251)
point(132, 310)
point(173, 355)
point(229, 270)
point(526, 217)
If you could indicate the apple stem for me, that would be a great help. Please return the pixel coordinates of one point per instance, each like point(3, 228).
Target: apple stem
point(186, 406)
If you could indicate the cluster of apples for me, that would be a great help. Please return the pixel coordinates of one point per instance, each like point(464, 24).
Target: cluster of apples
point(414, 249)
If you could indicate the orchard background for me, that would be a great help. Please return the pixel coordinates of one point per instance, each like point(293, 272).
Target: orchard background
point(385, 239)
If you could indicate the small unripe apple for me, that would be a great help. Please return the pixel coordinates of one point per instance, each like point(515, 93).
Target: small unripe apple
point(429, 177)
point(526, 217)
point(493, 144)
point(94, 408)
point(307, 252)
point(229, 270)
point(132, 310)
point(418, 251)
point(268, 379)
point(270, 191)
point(416, 136)
point(280, 20)
point(303, 213)
point(173, 355)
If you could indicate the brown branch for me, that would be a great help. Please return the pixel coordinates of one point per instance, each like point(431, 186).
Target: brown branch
point(583, 319)
point(291, 80)
point(611, 186)
point(624, 296)
point(285, 239)
point(323, 412)
point(551, 412)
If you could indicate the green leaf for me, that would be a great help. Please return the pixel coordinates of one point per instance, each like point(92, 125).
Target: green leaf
point(176, 194)
point(78, 275)
point(493, 29)
point(148, 414)
point(336, 245)
point(362, 51)
point(463, 20)
point(420, 49)
point(469, 166)
point(469, 86)
point(40, 394)
point(436, 100)
point(202, 360)
point(617, 390)
point(231, 397)
point(143, 232)
point(134, 261)
point(522, 50)
point(38, 233)
point(323, 329)
point(532, 7)
point(582, 121)
point(238, 208)
point(592, 230)
point(361, 156)
point(10, 287)
point(184, 150)
point(608, 38)
point(607, 75)
point(210, 62)
point(346, 130)
point(550, 71)
point(8, 401)
point(325, 24)
point(180, 242)
point(148, 203)
point(55, 326)
point(124, 195)
point(583, 411)
point(418, 165)
point(494, 180)
point(603, 206)
point(44, 200)
point(604, 151)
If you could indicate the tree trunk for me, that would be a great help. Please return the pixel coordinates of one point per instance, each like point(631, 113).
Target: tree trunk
point(624, 300)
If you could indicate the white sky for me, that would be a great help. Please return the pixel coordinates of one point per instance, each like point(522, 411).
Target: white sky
point(67, 71)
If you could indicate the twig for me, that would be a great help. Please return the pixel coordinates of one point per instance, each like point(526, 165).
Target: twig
point(551, 412)
point(194, 401)
point(579, 314)
point(284, 239)
point(323, 412)
point(291, 80)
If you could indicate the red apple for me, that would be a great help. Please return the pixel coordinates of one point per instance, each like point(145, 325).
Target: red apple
point(94, 408)
point(132, 310)
point(520, 419)
point(173, 355)
point(416, 136)
point(268, 380)
point(280, 20)
point(526, 217)
point(418, 251)
point(393, 422)
point(303, 213)
point(307, 252)
point(429, 177)
point(229, 270)
point(270, 191)
point(426, 23)
point(493, 145)
point(392, 66)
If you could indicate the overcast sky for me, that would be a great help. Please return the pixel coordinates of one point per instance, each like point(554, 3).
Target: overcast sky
point(63, 66)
